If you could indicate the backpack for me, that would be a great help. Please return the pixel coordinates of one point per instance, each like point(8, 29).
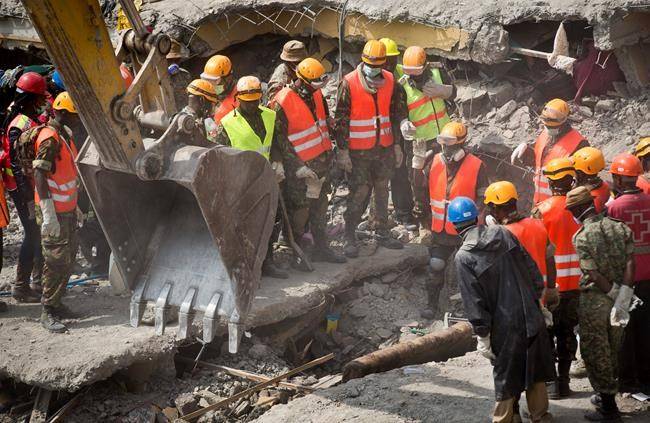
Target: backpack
point(25, 149)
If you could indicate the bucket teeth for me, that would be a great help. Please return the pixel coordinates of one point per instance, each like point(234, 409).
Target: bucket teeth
point(211, 318)
point(186, 314)
point(138, 306)
point(161, 311)
point(235, 332)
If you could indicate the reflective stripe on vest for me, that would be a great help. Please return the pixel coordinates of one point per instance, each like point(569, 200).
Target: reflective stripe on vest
point(370, 114)
point(561, 227)
point(307, 134)
point(564, 147)
point(463, 184)
point(228, 104)
point(428, 115)
point(62, 183)
point(532, 235)
point(242, 136)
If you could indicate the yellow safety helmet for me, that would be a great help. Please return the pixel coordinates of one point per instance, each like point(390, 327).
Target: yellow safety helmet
point(202, 88)
point(391, 47)
point(249, 88)
point(414, 58)
point(374, 53)
point(500, 193)
point(216, 68)
point(555, 112)
point(64, 102)
point(589, 160)
point(559, 168)
point(643, 147)
point(453, 133)
point(310, 70)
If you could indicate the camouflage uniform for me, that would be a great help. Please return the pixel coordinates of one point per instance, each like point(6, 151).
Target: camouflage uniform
point(281, 77)
point(371, 169)
point(58, 252)
point(604, 245)
point(303, 210)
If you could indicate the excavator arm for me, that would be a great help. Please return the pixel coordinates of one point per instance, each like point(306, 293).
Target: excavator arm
point(188, 222)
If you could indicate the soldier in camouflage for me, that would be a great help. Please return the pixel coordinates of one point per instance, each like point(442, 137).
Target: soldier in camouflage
point(180, 77)
point(293, 52)
point(605, 248)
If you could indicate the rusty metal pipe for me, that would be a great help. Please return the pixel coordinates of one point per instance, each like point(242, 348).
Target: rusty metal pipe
point(438, 346)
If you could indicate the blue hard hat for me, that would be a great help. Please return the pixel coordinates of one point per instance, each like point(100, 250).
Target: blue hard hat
point(461, 209)
point(58, 81)
point(173, 69)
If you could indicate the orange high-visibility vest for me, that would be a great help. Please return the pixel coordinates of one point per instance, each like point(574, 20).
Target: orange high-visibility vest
point(370, 114)
point(561, 226)
point(23, 123)
point(308, 134)
point(564, 147)
point(4, 210)
point(228, 104)
point(601, 196)
point(643, 184)
point(62, 183)
point(532, 235)
point(440, 194)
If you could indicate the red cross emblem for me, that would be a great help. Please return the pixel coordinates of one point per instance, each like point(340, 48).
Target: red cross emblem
point(640, 226)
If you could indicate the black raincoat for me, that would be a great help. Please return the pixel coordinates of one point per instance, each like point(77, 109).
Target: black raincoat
point(501, 287)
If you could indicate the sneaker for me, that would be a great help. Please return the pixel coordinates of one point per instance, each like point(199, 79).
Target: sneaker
point(327, 255)
point(272, 271)
point(51, 322)
point(23, 294)
point(599, 415)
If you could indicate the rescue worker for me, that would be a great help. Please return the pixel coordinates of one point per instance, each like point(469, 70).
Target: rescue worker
point(588, 161)
point(180, 77)
point(605, 247)
point(642, 151)
point(306, 156)
point(4, 222)
point(293, 52)
point(218, 71)
point(557, 139)
point(251, 127)
point(55, 180)
point(632, 206)
point(29, 103)
point(368, 113)
point(561, 226)
point(451, 173)
point(427, 115)
point(200, 102)
point(400, 186)
point(501, 288)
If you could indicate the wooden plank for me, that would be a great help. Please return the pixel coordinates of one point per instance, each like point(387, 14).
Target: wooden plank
point(530, 52)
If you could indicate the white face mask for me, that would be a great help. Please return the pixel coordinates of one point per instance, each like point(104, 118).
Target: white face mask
point(219, 89)
point(553, 132)
point(371, 72)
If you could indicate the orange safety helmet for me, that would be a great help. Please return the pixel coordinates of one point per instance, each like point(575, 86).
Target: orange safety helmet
point(64, 102)
point(216, 68)
point(589, 160)
point(414, 58)
point(202, 88)
point(374, 53)
point(555, 112)
point(500, 193)
point(626, 164)
point(643, 147)
point(558, 168)
point(310, 70)
point(249, 88)
point(453, 133)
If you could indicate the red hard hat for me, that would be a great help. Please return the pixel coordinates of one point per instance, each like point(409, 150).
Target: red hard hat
point(31, 82)
point(626, 164)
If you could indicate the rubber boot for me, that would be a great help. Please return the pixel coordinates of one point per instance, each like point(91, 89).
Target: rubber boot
point(325, 254)
point(351, 248)
point(387, 241)
point(270, 270)
point(51, 322)
point(23, 294)
point(607, 412)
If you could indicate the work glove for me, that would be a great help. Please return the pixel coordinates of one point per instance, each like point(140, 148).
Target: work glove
point(548, 316)
point(613, 293)
point(80, 217)
point(343, 160)
point(417, 162)
point(408, 130)
point(278, 168)
point(491, 220)
point(50, 226)
point(305, 172)
point(420, 147)
point(314, 187)
point(483, 346)
point(518, 153)
point(399, 155)
point(434, 90)
point(620, 314)
point(551, 298)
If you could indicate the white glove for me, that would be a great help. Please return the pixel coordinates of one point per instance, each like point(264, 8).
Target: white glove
point(417, 162)
point(399, 155)
point(435, 90)
point(548, 316)
point(278, 167)
point(620, 314)
point(50, 226)
point(314, 187)
point(305, 172)
point(491, 220)
point(408, 129)
point(518, 153)
point(344, 161)
point(483, 346)
point(420, 147)
point(613, 293)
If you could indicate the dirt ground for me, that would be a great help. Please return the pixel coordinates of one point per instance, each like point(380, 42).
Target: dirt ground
point(459, 390)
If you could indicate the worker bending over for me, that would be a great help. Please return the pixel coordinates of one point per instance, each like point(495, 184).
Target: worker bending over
point(501, 289)
point(301, 112)
point(368, 113)
point(642, 151)
point(293, 52)
point(55, 178)
point(557, 139)
point(605, 247)
point(588, 161)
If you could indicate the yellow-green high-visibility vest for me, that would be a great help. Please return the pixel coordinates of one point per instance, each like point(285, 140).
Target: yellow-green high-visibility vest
point(242, 136)
point(429, 115)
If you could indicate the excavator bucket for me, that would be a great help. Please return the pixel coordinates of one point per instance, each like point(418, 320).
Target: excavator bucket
point(194, 239)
